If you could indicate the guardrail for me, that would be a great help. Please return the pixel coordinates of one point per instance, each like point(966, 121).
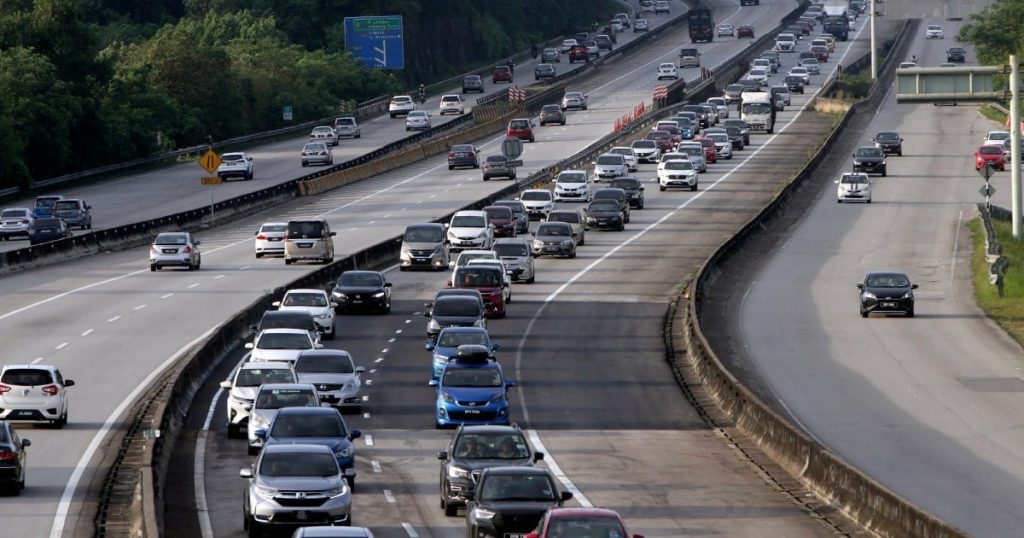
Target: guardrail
point(844, 487)
point(993, 248)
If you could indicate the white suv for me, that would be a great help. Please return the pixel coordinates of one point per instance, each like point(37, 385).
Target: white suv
point(314, 302)
point(573, 185)
point(538, 202)
point(34, 393)
point(243, 384)
point(401, 105)
point(785, 43)
point(452, 104)
point(470, 229)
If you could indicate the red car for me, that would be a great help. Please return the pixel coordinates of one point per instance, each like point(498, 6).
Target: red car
point(558, 521)
point(709, 148)
point(579, 53)
point(521, 128)
point(745, 31)
point(502, 219)
point(990, 154)
point(501, 74)
point(820, 52)
point(663, 139)
point(486, 279)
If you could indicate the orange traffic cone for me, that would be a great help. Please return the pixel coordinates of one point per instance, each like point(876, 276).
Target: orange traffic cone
point(618, 125)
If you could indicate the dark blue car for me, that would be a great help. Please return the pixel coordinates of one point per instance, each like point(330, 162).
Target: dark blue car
point(448, 342)
point(472, 390)
point(315, 426)
point(44, 205)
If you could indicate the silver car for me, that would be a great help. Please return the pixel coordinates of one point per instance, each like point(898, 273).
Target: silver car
point(577, 218)
point(423, 245)
point(15, 221)
point(269, 398)
point(347, 126)
point(515, 254)
point(417, 120)
point(574, 100)
point(316, 153)
point(295, 485)
point(242, 387)
point(538, 202)
point(334, 375)
point(270, 238)
point(175, 249)
point(325, 134)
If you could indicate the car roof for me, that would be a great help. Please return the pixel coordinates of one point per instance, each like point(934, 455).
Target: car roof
point(469, 213)
point(309, 410)
point(324, 353)
point(306, 290)
point(277, 330)
point(47, 367)
point(519, 469)
point(332, 532)
point(516, 240)
point(286, 313)
point(286, 386)
point(266, 365)
point(295, 447)
point(465, 330)
point(578, 511)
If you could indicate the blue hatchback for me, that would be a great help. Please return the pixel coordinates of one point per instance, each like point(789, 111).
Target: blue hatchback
point(448, 342)
point(315, 426)
point(472, 390)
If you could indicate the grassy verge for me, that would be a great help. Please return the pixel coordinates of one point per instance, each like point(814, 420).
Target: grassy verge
point(1007, 311)
point(991, 113)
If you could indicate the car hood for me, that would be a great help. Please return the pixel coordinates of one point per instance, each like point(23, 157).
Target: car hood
point(316, 379)
point(360, 289)
point(336, 444)
point(567, 185)
point(855, 186)
point(304, 483)
point(514, 260)
point(285, 355)
point(466, 232)
point(473, 394)
point(484, 463)
point(460, 321)
point(247, 393)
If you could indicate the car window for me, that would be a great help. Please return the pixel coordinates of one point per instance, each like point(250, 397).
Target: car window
point(415, 234)
point(491, 446)
point(279, 465)
point(554, 229)
point(171, 239)
point(460, 308)
point(283, 341)
point(609, 159)
point(282, 398)
point(887, 281)
point(570, 217)
point(464, 338)
point(65, 205)
point(26, 377)
point(572, 177)
point(869, 152)
point(305, 229)
point(472, 377)
point(517, 487)
point(305, 299)
point(498, 212)
point(477, 276)
point(511, 249)
point(551, 108)
point(604, 205)
point(463, 148)
point(325, 364)
point(469, 221)
point(308, 425)
point(628, 184)
point(369, 279)
point(496, 159)
point(254, 377)
point(519, 124)
point(887, 136)
point(536, 195)
point(991, 150)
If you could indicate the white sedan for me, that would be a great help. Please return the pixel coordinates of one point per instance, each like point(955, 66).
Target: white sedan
point(934, 31)
point(759, 75)
point(314, 302)
point(668, 70)
point(282, 345)
point(417, 120)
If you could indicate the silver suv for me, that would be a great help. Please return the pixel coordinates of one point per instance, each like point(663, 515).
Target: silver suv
point(334, 375)
point(34, 393)
point(295, 485)
point(424, 245)
point(243, 384)
point(347, 126)
point(516, 254)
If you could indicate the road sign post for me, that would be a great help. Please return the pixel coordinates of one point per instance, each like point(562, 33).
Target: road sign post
point(376, 41)
point(210, 161)
point(512, 149)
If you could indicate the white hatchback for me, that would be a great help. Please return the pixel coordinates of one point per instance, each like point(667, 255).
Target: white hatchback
point(242, 387)
point(452, 104)
point(853, 188)
point(314, 302)
point(573, 186)
point(400, 105)
point(34, 393)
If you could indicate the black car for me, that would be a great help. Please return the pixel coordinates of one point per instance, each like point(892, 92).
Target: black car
point(889, 142)
point(552, 114)
point(742, 126)
point(870, 160)
point(795, 83)
point(473, 449)
point(956, 54)
point(885, 293)
point(702, 114)
point(361, 290)
point(634, 190)
point(554, 239)
point(605, 214)
point(45, 230)
point(543, 71)
point(736, 136)
point(463, 155)
point(618, 195)
point(12, 466)
point(472, 83)
point(509, 501)
point(455, 310)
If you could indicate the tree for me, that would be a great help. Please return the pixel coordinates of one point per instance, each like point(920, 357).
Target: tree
point(996, 31)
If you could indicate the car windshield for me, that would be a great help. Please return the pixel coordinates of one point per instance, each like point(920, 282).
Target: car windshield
point(472, 377)
point(998, 135)
point(325, 364)
point(469, 221)
point(498, 213)
point(869, 152)
point(667, 67)
point(609, 159)
point(678, 165)
point(584, 526)
point(536, 196)
point(284, 341)
point(659, 135)
point(625, 184)
point(551, 109)
point(465, 257)
point(511, 249)
point(46, 201)
point(758, 72)
point(887, 136)
point(991, 150)
point(26, 377)
point(498, 446)
point(65, 204)
point(609, 205)
point(279, 465)
point(887, 281)
point(934, 27)
point(236, 157)
point(254, 377)
point(305, 299)
point(401, 100)
point(276, 319)
point(418, 114)
point(719, 137)
point(308, 425)
point(46, 223)
point(476, 277)
point(450, 99)
point(462, 338)
point(757, 108)
point(691, 151)
point(363, 279)
point(461, 308)
point(792, 79)
point(305, 229)
point(496, 159)
point(571, 177)
point(554, 229)
point(643, 144)
point(345, 122)
point(169, 239)
point(570, 217)
point(854, 179)
point(625, 152)
point(281, 398)
point(517, 487)
point(734, 88)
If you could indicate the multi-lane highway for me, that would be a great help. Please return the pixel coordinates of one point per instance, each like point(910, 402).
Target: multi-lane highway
point(927, 406)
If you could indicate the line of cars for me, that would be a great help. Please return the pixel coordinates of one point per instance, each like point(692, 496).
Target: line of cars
point(322, 139)
point(51, 218)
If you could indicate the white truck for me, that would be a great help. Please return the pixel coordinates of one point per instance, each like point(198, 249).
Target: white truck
point(835, 8)
point(757, 109)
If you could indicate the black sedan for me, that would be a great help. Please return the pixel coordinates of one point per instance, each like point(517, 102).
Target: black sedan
point(463, 155)
point(362, 290)
point(45, 230)
point(870, 160)
point(889, 142)
point(634, 190)
point(12, 465)
point(886, 293)
point(956, 54)
point(605, 214)
point(794, 83)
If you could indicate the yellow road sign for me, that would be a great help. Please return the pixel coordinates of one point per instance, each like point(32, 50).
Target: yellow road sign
point(210, 161)
point(211, 180)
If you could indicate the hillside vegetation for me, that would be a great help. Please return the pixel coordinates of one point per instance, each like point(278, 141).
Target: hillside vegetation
point(90, 82)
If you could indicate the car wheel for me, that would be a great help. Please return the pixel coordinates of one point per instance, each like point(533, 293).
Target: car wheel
point(863, 313)
point(883, 172)
point(259, 255)
point(288, 262)
point(329, 335)
point(869, 200)
point(839, 200)
point(351, 482)
point(152, 267)
point(450, 168)
point(661, 188)
point(694, 186)
point(392, 116)
point(449, 509)
point(254, 529)
point(486, 178)
point(304, 164)
point(232, 430)
point(253, 450)
point(910, 313)
point(572, 254)
point(899, 153)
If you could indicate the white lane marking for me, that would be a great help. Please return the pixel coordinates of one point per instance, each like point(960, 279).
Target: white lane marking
point(388, 216)
point(61, 345)
point(140, 307)
point(87, 332)
point(557, 471)
point(113, 319)
point(391, 340)
point(167, 295)
point(368, 439)
point(64, 506)
point(379, 359)
point(372, 222)
point(410, 530)
point(398, 331)
point(433, 195)
point(244, 267)
point(389, 497)
point(956, 244)
point(218, 277)
point(199, 471)
point(373, 370)
point(369, 381)
point(353, 229)
point(376, 466)
point(366, 414)
point(193, 285)
point(385, 350)
point(38, 360)
point(408, 321)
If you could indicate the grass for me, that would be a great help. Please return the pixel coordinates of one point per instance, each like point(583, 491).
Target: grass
point(991, 113)
point(1007, 311)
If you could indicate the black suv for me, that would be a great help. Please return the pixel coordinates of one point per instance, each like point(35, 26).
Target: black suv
point(889, 142)
point(511, 501)
point(634, 190)
point(742, 126)
point(885, 293)
point(795, 83)
point(473, 449)
point(463, 155)
point(870, 160)
point(618, 195)
point(956, 54)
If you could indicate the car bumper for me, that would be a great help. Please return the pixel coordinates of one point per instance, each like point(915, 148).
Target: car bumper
point(11, 232)
point(605, 223)
point(333, 512)
point(869, 168)
point(577, 196)
point(538, 212)
point(552, 250)
point(417, 126)
point(891, 149)
point(454, 415)
point(44, 410)
point(370, 303)
point(451, 110)
point(269, 247)
point(462, 162)
point(182, 261)
point(316, 160)
point(689, 181)
point(853, 196)
point(464, 244)
point(232, 173)
point(888, 306)
point(409, 259)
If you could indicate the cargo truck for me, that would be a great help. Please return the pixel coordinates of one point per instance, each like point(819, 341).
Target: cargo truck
point(701, 25)
point(758, 110)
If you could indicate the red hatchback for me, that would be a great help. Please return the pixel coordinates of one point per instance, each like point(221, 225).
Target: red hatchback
point(709, 148)
point(559, 521)
point(579, 53)
point(990, 154)
point(502, 219)
point(489, 281)
point(745, 31)
point(502, 73)
point(521, 128)
point(662, 138)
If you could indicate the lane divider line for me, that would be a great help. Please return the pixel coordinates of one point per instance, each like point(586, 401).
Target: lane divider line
point(87, 332)
point(199, 470)
point(410, 530)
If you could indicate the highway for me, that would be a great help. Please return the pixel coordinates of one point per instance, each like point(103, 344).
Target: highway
point(927, 406)
point(649, 455)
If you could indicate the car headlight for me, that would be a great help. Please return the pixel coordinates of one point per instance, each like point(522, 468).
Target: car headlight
point(345, 452)
point(483, 233)
point(483, 513)
point(567, 243)
point(538, 243)
point(379, 294)
point(325, 315)
point(336, 492)
point(447, 397)
point(433, 325)
point(339, 295)
point(869, 295)
point(440, 360)
point(406, 250)
point(856, 163)
point(908, 295)
point(265, 492)
point(480, 323)
point(350, 386)
point(259, 422)
point(239, 399)
point(457, 472)
point(499, 397)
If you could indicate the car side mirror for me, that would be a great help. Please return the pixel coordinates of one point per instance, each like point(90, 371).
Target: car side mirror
point(872, 139)
point(257, 232)
point(360, 369)
point(198, 242)
point(69, 382)
point(860, 286)
point(318, 345)
point(334, 234)
point(355, 434)
point(537, 456)
point(430, 346)
point(853, 155)
point(901, 140)
point(913, 286)
point(225, 384)
point(836, 182)
point(442, 455)
point(566, 495)
point(249, 345)
point(276, 303)
point(88, 207)
point(432, 383)
point(334, 304)
point(495, 347)
point(387, 284)
point(641, 187)
point(260, 433)
point(245, 473)
point(509, 383)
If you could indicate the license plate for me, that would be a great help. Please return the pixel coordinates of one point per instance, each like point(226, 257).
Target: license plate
point(421, 260)
point(357, 301)
point(274, 239)
point(170, 251)
point(305, 245)
point(551, 249)
point(472, 411)
point(602, 222)
point(301, 515)
point(514, 535)
point(888, 305)
point(23, 413)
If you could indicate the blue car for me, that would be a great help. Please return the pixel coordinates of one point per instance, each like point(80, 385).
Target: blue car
point(44, 205)
point(315, 426)
point(472, 390)
point(448, 342)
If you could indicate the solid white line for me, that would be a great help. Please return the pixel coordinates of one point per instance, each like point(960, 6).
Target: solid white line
point(140, 307)
point(557, 471)
point(64, 506)
point(199, 471)
point(368, 439)
point(113, 319)
point(410, 530)
point(61, 345)
point(87, 332)
point(165, 296)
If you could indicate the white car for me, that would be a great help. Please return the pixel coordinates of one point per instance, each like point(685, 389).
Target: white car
point(726, 29)
point(573, 186)
point(566, 45)
point(677, 173)
point(314, 302)
point(628, 154)
point(759, 75)
point(316, 153)
point(470, 230)
point(785, 43)
point(452, 104)
point(243, 384)
point(236, 164)
point(335, 376)
point(934, 31)
point(15, 221)
point(34, 393)
point(417, 120)
point(538, 202)
point(400, 105)
point(721, 105)
point(695, 151)
point(812, 65)
point(996, 137)
point(802, 73)
point(723, 146)
point(646, 6)
point(646, 151)
point(853, 187)
point(764, 63)
point(325, 134)
point(280, 345)
point(270, 238)
point(610, 165)
point(907, 65)
point(667, 70)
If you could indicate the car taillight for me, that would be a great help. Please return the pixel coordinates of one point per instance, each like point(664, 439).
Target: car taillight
point(51, 390)
point(24, 221)
point(186, 250)
point(261, 237)
point(152, 249)
point(4, 389)
point(451, 155)
point(5, 455)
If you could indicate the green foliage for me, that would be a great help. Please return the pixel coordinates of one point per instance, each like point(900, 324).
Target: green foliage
point(996, 31)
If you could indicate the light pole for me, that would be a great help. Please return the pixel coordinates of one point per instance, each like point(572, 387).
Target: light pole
point(1015, 145)
point(874, 49)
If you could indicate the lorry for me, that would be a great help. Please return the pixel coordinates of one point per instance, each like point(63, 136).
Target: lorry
point(836, 21)
point(702, 27)
point(758, 110)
